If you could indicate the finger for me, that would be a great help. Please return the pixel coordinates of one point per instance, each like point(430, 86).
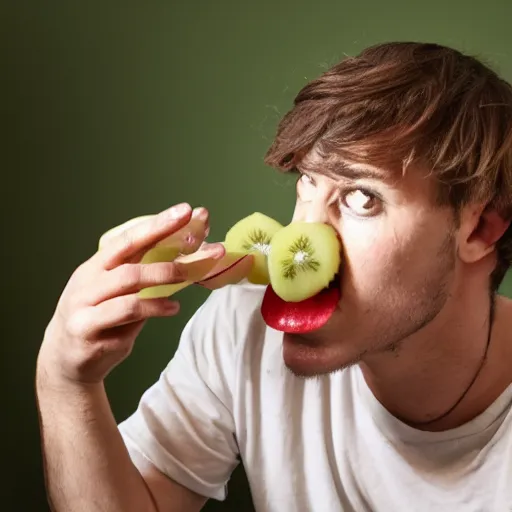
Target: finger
point(131, 278)
point(143, 235)
point(203, 215)
point(116, 312)
point(194, 240)
point(131, 309)
point(187, 240)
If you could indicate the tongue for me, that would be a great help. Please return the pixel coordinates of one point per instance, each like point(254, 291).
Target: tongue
point(299, 317)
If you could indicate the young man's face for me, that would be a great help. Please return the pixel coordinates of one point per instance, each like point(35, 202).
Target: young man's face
point(398, 262)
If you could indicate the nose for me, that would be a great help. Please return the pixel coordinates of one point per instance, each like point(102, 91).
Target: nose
point(315, 210)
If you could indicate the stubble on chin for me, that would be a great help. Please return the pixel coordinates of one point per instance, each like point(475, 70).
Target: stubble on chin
point(321, 353)
point(325, 351)
point(306, 356)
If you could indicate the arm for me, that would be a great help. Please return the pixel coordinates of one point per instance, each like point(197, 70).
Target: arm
point(87, 465)
point(96, 322)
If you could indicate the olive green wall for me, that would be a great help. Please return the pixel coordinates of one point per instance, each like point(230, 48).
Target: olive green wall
point(116, 109)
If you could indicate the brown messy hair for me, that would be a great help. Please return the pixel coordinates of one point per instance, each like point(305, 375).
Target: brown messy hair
point(399, 103)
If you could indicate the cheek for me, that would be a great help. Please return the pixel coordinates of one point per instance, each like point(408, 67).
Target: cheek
point(369, 257)
point(385, 256)
point(299, 213)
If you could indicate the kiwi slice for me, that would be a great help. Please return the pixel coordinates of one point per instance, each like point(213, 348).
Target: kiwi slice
point(249, 236)
point(253, 235)
point(303, 260)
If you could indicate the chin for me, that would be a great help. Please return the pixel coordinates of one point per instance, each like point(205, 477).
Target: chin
point(307, 357)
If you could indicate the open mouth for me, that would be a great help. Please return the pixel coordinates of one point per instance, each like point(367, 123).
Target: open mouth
point(304, 316)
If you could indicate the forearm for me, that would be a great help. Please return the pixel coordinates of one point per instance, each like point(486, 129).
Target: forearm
point(87, 465)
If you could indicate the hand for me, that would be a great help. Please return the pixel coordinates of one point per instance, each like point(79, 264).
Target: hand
point(100, 313)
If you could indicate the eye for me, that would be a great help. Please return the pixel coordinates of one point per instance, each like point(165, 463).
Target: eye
point(306, 186)
point(306, 179)
point(361, 202)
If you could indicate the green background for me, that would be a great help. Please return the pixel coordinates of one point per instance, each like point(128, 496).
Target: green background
point(115, 109)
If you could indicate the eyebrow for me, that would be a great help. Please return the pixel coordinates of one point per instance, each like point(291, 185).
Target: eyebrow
point(357, 172)
point(341, 170)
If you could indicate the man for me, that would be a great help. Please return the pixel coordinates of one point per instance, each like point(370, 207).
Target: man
point(401, 401)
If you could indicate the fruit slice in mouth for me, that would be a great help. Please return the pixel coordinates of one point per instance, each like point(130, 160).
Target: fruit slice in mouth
point(303, 265)
point(300, 317)
point(304, 258)
point(297, 262)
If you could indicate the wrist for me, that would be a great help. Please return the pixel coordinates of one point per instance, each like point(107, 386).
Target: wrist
point(49, 379)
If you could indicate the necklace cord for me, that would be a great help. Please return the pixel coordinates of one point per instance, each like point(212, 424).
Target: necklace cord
point(484, 358)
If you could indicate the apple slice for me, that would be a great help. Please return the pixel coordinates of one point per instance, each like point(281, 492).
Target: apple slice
point(164, 290)
point(211, 274)
point(234, 268)
point(186, 240)
point(196, 266)
point(185, 246)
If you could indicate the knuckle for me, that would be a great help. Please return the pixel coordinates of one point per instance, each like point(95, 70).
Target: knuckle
point(127, 239)
point(132, 309)
point(171, 272)
point(78, 325)
point(79, 276)
point(130, 275)
point(73, 301)
point(162, 273)
point(176, 272)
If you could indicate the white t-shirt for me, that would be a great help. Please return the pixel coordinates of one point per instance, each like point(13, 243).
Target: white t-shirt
point(315, 445)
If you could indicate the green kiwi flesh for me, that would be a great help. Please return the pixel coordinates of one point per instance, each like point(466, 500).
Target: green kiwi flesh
point(253, 235)
point(304, 258)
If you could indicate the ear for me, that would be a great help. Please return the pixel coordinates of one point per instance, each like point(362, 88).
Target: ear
point(480, 230)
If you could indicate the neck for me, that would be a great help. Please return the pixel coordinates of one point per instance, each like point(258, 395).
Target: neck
point(446, 374)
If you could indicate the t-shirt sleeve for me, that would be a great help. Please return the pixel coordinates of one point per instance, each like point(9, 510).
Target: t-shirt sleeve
point(184, 423)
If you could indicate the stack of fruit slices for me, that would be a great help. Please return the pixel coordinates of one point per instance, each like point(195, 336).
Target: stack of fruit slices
point(297, 263)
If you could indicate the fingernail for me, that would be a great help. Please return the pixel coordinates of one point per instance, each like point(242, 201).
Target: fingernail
point(172, 306)
point(178, 211)
point(200, 213)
